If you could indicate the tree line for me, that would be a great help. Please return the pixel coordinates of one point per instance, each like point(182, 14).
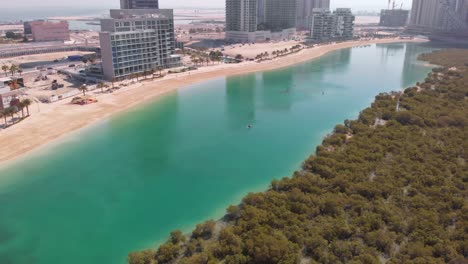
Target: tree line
point(389, 187)
point(12, 69)
point(13, 110)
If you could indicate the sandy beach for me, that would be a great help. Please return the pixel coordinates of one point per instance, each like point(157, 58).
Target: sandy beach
point(53, 122)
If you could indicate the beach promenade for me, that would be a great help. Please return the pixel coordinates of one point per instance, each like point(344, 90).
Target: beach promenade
point(54, 122)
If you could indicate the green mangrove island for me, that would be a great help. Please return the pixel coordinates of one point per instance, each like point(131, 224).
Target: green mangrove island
point(390, 187)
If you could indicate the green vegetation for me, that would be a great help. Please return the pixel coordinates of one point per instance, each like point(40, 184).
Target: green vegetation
point(279, 53)
point(13, 35)
point(18, 106)
point(13, 69)
point(199, 57)
point(390, 187)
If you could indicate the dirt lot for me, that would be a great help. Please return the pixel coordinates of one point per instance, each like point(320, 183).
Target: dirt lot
point(41, 57)
point(252, 50)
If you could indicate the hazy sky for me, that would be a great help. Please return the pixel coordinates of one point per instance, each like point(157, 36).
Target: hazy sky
point(355, 4)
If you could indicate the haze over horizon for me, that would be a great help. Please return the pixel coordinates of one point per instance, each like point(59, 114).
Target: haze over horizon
point(371, 5)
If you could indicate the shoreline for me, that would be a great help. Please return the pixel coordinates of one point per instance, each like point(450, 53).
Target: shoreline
point(55, 122)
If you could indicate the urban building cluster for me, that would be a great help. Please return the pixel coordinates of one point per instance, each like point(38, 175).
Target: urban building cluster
point(137, 38)
point(260, 20)
point(263, 20)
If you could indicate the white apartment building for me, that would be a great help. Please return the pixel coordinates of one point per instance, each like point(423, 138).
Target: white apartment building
point(344, 23)
point(327, 26)
point(323, 24)
point(137, 41)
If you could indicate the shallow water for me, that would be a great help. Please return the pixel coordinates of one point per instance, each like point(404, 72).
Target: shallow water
point(124, 184)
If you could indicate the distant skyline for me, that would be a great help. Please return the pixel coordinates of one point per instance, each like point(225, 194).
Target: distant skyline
point(371, 5)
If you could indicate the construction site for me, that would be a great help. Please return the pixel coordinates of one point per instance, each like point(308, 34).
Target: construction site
point(393, 16)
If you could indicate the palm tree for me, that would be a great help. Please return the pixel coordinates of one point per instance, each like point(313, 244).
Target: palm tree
point(101, 86)
point(4, 116)
point(26, 102)
point(13, 69)
point(83, 88)
point(21, 107)
point(15, 109)
point(5, 68)
point(193, 58)
point(9, 112)
point(20, 71)
point(160, 68)
point(6, 112)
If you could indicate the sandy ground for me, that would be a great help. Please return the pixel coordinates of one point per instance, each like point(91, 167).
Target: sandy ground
point(41, 57)
point(49, 123)
point(252, 50)
point(363, 20)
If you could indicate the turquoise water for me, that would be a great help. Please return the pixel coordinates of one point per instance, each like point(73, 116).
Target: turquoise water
point(125, 183)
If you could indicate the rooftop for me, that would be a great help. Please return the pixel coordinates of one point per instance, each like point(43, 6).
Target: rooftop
point(141, 13)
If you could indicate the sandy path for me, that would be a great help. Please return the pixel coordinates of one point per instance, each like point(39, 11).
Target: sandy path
point(56, 120)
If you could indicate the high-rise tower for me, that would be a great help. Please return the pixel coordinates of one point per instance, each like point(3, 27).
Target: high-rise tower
point(260, 20)
point(304, 11)
point(241, 15)
point(278, 15)
point(241, 20)
point(429, 16)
